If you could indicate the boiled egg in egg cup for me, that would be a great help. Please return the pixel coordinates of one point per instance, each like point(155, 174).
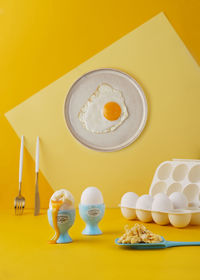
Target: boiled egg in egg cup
point(91, 209)
point(61, 215)
point(143, 208)
point(128, 205)
point(161, 206)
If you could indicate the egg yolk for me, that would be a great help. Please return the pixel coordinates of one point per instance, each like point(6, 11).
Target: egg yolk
point(112, 111)
point(55, 208)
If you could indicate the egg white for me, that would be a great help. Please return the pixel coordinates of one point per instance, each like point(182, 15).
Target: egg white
point(91, 114)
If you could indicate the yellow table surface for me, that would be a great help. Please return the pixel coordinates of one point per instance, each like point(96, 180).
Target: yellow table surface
point(26, 254)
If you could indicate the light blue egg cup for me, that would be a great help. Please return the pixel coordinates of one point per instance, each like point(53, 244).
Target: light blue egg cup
point(92, 215)
point(65, 219)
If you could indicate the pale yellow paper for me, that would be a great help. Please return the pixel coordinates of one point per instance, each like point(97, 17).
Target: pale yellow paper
point(156, 57)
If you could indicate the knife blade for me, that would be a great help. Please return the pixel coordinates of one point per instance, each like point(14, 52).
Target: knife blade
point(37, 196)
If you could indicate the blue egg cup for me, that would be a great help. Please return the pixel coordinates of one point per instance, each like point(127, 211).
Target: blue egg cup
point(92, 215)
point(65, 219)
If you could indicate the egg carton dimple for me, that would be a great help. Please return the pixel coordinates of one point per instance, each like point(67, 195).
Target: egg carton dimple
point(178, 175)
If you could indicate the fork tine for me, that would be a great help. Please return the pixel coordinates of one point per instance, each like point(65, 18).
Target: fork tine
point(18, 207)
point(19, 200)
point(21, 207)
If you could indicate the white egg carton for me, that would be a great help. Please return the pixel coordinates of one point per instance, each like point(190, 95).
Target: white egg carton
point(178, 218)
point(178, 175)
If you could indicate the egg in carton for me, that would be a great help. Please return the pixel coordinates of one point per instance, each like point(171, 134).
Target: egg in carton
point(173, 196)
point(128, 205)
point(133, 207)
point(161, 209)
point(174, 178)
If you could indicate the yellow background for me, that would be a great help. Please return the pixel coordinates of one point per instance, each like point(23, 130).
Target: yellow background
point(157, 58)
point(41, 41)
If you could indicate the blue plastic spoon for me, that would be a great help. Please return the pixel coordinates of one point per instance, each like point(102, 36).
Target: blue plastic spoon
point(161, 245)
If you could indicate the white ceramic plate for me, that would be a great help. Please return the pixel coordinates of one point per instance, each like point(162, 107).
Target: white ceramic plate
point(135, 101)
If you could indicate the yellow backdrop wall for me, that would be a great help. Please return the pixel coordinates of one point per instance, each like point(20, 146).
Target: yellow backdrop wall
point(40, 41)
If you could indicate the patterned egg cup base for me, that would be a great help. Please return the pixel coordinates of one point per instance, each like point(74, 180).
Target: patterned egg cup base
point(91, 230)
point(65, 220)
point(64, 238)
point(92, 215)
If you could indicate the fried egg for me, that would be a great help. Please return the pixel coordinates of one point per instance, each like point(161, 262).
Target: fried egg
point(104, 111)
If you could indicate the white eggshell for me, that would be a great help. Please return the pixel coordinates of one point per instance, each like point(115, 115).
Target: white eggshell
point(180, 220)
point(144, 202)
point(161, 203)
point(179, 200)
point(160, 218)
point(144, 216)
point(66, 197)
point(91, 196)
point(129, 200)
point(128, 213)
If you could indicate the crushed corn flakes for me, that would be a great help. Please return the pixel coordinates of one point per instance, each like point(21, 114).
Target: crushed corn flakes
point(138, 234)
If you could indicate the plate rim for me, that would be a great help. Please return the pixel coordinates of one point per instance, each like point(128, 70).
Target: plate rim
point(94, 147)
